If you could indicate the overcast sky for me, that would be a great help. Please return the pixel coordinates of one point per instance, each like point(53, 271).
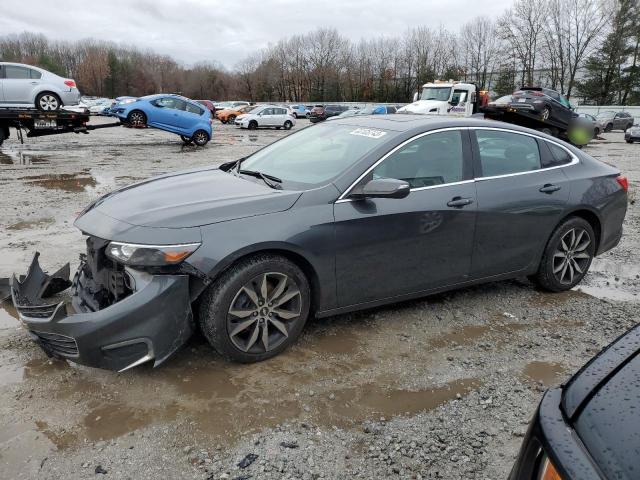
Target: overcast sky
point(227, 30)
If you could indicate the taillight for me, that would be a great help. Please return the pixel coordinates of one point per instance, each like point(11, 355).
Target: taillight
point(70, 83)
point(623, 182)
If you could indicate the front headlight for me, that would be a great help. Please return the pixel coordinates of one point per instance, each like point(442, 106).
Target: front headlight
point(547, 470)
point(149, 255)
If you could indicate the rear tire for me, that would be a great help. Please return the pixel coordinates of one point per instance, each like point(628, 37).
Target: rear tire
point(137, 118)
point(48, 102)
point(629, 141)
point(231, 120)
point(567, 256)
point(287, 125)
point(245, 300)
point(545, 114)
point(200, 138)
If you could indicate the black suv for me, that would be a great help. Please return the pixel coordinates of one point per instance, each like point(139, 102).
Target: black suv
point(320, 114)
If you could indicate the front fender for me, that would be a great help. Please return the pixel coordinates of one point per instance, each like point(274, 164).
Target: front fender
point(307, 234)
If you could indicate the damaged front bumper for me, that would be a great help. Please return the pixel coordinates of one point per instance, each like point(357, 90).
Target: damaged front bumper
point(151, 320)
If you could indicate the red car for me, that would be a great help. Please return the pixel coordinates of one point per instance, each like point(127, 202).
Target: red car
point(209, 104)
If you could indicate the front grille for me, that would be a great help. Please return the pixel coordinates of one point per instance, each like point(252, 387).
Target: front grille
point(57, 344)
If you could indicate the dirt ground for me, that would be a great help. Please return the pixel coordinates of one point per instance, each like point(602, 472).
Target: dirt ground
point(442, 387)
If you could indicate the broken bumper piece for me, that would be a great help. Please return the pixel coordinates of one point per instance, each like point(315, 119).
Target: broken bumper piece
point(149, 324)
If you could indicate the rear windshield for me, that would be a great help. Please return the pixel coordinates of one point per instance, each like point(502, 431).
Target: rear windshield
point(609, 426)
point(316, 155)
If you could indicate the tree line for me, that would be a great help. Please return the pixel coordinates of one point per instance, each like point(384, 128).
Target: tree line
point(586, 49)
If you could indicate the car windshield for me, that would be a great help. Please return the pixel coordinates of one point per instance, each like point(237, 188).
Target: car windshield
point(436, 93)
point(605, 114)
point(316, 155)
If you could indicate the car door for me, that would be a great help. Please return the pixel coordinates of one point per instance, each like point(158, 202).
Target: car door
point(164, 114)
point(521, 197)
point(281, 116)
point(389, 247)
point(267, 119)
point(18, 85)
point(190, 117)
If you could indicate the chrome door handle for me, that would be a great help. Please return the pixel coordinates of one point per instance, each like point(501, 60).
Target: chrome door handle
point(459, 202)
point(550, 188)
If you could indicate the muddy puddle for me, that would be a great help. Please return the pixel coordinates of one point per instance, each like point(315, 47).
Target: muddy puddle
point(8, 315)
point(68, 182)
point(22, 158)
point(546, 373)
point(225, 401)
point(612, 280)
point(31, 224)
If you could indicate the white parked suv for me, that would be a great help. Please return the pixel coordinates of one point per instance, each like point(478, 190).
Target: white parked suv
point(27, 86)
point(266, 116)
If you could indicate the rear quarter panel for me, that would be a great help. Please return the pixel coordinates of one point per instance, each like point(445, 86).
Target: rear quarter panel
point(594, 188)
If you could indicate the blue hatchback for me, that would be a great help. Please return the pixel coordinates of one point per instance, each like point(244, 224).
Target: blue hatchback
point(172, 113)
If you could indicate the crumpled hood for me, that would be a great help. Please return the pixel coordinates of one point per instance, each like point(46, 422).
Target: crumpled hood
point(424, 106)
point(192, 198)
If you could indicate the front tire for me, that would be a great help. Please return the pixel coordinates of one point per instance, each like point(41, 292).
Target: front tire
point(609, 127)
point(200, 138)
point(257, 309)
point(252, 125)
point(137, 118)
point(567, 257)
point(48, 102)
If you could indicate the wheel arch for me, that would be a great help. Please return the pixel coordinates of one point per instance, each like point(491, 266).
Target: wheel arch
point(592, 217)
point(288, 251)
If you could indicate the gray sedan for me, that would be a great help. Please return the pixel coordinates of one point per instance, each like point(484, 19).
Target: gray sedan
point(344, 216)
point(28, 86)
point(610, 120)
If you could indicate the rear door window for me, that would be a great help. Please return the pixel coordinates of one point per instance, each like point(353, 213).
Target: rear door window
point(503, 153)
point(559, 156)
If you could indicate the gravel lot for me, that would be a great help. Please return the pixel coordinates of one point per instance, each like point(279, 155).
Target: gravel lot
point(436, 388)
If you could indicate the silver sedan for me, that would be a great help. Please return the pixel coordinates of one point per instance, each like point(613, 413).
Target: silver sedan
point(28, 86)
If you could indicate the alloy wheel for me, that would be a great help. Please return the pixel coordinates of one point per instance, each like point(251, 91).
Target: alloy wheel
point(48, 103)
point(545, 114)
point(263, 312)
point(572, 258)
point(136, 119)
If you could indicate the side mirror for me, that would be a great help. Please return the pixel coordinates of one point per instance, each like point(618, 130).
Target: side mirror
point(384, 188)
point(416, 97)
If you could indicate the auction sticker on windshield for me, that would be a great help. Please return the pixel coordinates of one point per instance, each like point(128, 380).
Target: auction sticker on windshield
point(368, 132)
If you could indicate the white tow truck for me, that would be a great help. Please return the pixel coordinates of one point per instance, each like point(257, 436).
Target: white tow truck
point(446, 98)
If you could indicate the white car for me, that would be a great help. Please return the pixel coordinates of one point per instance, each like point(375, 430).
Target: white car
point(27, 86)
point(266, 116)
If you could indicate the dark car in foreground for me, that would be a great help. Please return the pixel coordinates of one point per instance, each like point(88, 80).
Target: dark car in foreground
point(348, 215)
point(589, 428)
point(548, 104)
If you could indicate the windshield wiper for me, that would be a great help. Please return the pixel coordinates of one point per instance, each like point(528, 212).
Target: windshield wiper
point(265, 177)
